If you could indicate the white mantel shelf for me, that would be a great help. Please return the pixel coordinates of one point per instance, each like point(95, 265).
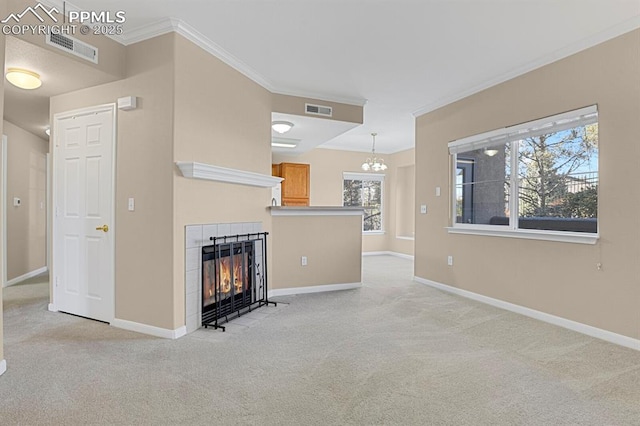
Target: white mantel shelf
point(204, 171)
point(316, 211)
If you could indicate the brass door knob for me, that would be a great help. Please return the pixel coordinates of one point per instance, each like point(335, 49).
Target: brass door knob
point(103, 228)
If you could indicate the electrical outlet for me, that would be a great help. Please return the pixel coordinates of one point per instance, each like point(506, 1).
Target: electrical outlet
point(450, 260)
point(303, 260)
point(132, 204)
point(423, 209)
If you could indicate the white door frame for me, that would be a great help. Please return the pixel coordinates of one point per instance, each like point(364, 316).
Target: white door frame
point(3, 200)
point(49, 219)
point(54, 196)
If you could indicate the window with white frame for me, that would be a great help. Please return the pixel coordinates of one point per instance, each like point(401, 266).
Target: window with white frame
point(367, 191)
point(536, 178)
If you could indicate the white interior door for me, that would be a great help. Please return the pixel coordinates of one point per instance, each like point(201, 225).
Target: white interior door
point(83, 237)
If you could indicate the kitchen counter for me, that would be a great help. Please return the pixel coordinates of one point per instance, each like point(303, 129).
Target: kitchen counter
point(316, 211)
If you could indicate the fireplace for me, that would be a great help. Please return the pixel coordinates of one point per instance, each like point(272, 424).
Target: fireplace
point(233, 277)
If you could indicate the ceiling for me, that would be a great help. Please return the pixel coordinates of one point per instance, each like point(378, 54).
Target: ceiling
point(396, 57)
point(307, 132)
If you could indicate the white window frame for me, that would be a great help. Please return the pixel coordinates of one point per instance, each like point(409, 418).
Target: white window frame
point(513, 134)
point(378, 177)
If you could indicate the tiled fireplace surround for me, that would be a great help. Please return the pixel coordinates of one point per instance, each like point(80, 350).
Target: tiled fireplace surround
point(197, 236)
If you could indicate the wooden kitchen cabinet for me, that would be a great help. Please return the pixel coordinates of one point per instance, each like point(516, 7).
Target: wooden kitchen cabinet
point(295, 186)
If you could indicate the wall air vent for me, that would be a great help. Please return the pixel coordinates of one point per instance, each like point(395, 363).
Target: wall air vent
point(73, 46)
point(324, 111)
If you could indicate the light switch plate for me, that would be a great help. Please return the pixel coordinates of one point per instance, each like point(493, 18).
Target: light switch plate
point(132, 204)
point(423, 209)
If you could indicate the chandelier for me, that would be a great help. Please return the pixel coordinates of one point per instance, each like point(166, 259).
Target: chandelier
point(374, 163)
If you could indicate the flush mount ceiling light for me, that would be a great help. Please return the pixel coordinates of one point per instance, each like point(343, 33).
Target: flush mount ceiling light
point(490, 152)
point(284, 143)
point(281, 126)
point(374, 163)
point(24, 79)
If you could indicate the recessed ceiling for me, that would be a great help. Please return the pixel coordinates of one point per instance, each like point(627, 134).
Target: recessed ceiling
point(400, 56)
point(307, 132)
point(29, 109)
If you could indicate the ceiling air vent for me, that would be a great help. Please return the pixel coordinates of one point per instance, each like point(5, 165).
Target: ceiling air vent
point(325, 111)
point(73, 46)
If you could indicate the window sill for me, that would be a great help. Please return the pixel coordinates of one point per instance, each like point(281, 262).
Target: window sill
point(373, 232)
point(564, 237)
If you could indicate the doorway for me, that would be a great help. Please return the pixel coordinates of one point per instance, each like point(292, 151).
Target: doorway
point(24, 205)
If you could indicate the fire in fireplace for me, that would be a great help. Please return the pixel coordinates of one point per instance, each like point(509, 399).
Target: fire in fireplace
point(226, 276)
point(233, 281)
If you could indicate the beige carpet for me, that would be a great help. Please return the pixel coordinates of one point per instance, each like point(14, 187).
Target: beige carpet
point(392, 352)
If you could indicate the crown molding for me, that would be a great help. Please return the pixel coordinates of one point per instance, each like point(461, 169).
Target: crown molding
point(148, 31)
point(601, 37)
point(196, 37)
point(178, 26)
point(168, 25)
point(393, 150)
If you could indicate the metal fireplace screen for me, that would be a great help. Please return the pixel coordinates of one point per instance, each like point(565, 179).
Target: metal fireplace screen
point(234, 279)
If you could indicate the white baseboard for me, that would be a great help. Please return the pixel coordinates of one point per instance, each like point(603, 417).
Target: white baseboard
point(3, 366)
point(313, 289)
point(598, 333)
point(26, 276)
point(376, 253)
point(401, 255)
point(149, 329)
point(387, 253)
point(52, 307)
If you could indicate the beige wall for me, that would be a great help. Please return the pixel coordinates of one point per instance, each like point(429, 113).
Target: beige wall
point(295, 105)
point(26, 180)
point(553, 277)
point(144, 156)
point(402, 210)
point(405, 200)
point(221, 118)
point(331, 244)
point(327, 166)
